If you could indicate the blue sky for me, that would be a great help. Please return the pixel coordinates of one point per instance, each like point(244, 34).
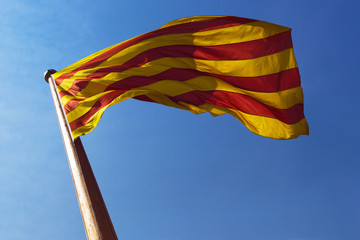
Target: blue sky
point(167, 173)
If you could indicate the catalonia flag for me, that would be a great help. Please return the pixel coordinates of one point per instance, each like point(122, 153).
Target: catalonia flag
point(215, 64)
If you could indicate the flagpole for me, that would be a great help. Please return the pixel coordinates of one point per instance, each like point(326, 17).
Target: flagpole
point(96, 219)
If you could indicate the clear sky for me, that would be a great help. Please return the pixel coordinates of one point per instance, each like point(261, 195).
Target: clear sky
point(166, 173)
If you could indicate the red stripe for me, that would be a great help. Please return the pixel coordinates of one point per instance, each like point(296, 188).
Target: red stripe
point(77, 86)
point(219, 98)
point(240, 102)
point(243, 103)
point(181, 28)
point(72, 104)
point(245, 50)
point(206, 25)
point(100, 103)
point(238, 51)
point(252, 49)
point(269, 83)
point(63, 93)
point(235, 51)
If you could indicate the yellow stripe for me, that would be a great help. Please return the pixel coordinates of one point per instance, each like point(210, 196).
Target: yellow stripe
point(89, 126)
point(83, 107)
point(97, 86)
point(189, 19)
point(281, 100)
point(65, 99)
point(158, 92)
point(229, 35)
point(255, 67)
point(242, 68)
point(92, 123)
point(264, 126)
point(251, 67)
point(82, 61)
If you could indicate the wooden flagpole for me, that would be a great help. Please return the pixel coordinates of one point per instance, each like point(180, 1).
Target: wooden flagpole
point(96, 219)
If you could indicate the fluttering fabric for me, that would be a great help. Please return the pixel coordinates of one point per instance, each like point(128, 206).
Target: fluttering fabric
point(215, 64)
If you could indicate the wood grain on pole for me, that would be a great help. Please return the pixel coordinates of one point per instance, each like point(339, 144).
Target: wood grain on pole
point(97, 223)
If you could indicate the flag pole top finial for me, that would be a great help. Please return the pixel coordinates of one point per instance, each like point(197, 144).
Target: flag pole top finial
point(48, 73)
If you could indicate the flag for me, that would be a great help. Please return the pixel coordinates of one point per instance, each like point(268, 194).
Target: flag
point(215, 64)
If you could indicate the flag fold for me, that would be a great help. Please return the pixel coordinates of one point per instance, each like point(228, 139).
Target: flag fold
point(215, 64)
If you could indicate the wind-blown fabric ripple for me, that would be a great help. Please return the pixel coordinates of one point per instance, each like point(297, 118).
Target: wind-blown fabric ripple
point(215, 64)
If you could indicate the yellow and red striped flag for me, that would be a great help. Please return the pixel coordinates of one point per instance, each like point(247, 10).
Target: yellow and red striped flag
point(215, 64)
